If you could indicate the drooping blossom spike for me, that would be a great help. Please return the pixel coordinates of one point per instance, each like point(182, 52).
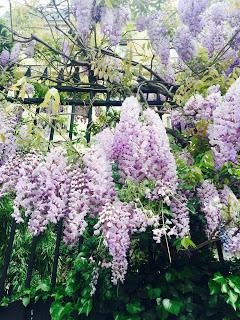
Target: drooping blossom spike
point(230, 239)
point(9, 174)
point(180, 212)
point(159, 37)
point(104, 140)
point(202, 108)
point(112, 23)
point(141, 149)
point(217, 12)
point(178, 120)
point(82, 10)
point(4, 58)
point(24, 186)
point(117, 222)
point(90, 189)
point(77, 209)
point(14, 56)
point(29, 51)
point(8, 145)
point(224, 132)
point(210, 206)
point(184, 43)
point(99, 181)
point(190, 12)
point(160, 165)
point(49, 185)
point(214, 37)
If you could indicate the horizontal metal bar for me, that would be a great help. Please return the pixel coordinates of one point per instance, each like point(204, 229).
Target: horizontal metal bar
point(96, 103)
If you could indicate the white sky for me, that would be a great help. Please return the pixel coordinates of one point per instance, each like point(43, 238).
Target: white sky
point(4, 4)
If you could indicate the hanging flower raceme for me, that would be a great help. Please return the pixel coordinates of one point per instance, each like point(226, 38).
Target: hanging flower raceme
point(117, 222)
point(24, 185)
point(158, 34)
point(9, 174)
point(29, 50)
point(160, 165)
point(230, 239)
point(112, 22)
point(224, 133)
point(43, 193)
point(91, 188)
point(8, 144)
point(82, 10)
point(202, 108)
point(184, 43)
point(77, 209)
point(141, 150)
point(210, 206)
point(99, 181)
point(230, 233)
point(181, 219)
point(4, 58)
point(14, 56)
point(190, 13)
point(214, 37)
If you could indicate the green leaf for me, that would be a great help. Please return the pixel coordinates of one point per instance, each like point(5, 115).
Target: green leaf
point(186, 242)
point(214, 287)
point(25, 301)
point(61, 312)
point(154, 293)
point(219, 278)
point(86, 307)
point(43, 287)
point(134, 307)
point(232, 299)
point(172, 306)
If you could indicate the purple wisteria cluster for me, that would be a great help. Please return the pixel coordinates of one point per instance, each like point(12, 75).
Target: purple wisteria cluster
point(112, 20)
point(10, 57)
point(224, 132)
point(190, 12)
point(117, 222)
point(42, 191)
point(82, 10)
point(8, 145)
point(210, 206)
point(204, 26)
point(201, 108)
point(49, 188)
point(230, 235)
point(184, 43)
point(141, 150)
point(112, 23)
point(180, 211)
point(158, 34)
point(197, 108)
point(221, 209)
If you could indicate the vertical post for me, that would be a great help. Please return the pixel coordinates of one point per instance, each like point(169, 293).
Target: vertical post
point(57, 252)
point(31, 261)
point(51, 134)
point(72, 122)
point(60, 222)
point(220, 252)
point(90, 112)
point(7, 257)
point(108, 99)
